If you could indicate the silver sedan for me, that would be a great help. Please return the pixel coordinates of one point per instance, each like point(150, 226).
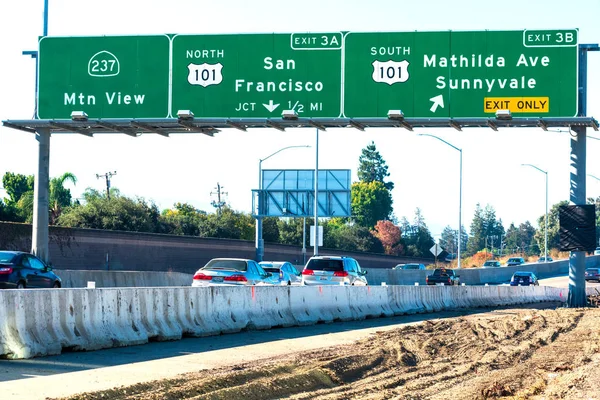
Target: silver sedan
point(231, 272)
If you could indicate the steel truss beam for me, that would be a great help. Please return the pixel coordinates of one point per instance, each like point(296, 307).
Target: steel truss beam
point(209, 126)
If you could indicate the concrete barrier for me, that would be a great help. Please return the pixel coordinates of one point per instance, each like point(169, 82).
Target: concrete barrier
point(105, 279)
point(43, 322)
point(477, 276)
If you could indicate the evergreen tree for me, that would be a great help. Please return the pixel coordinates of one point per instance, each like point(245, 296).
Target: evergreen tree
point(372, 167)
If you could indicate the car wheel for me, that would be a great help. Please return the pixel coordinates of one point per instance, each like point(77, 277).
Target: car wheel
point(21, 285)
point(289, 283)
point(56, 285)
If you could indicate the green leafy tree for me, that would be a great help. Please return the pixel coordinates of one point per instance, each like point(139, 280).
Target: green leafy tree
point(183, 219)
point(290, 230)
point(596, 202)
point(16, 185)
point(60, 197)
point(247, 225)
point(223, 225)
point(372, 167)
point(118, 213)
point(553, 228)
point(270, 230)
point(351, 237)
point(371, 202)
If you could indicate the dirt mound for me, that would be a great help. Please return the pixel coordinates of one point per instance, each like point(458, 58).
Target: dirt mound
point(515, 354)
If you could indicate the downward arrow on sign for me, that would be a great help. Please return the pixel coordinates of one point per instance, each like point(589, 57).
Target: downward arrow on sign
point(271, 107)
point(437, 101)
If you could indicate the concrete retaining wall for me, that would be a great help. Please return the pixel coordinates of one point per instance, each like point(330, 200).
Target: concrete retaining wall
point(43, 322)
point(477, 276)
point(106, 279)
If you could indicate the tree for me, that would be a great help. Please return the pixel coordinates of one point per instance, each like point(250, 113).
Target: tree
point(553, 228)
point(183, 219)
point(270, 230)
point(290, 230)
point(449, 240)
point(486, 230)
point(416, 238)
point(519, 239)
point(16, 185)
point(371, 202)
point(60, 197)
point(119, 213)
point(351, 238)
point(372, 167)
point(389, 236)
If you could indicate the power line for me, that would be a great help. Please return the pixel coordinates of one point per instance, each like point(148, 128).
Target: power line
point(219, 203)
point(107, 176)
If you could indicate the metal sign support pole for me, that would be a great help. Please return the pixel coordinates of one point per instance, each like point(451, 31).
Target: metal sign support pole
point(577, 297)
point(316, 253)
point(39, 240)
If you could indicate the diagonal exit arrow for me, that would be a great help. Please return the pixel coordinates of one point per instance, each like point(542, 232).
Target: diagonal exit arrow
point(437, 101)
point(271, 107)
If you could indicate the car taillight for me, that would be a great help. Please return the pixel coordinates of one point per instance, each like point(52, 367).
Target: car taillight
point(236, 278)
point(6, 270)
point(201, 277)
point(340, 273)
point(308, 272)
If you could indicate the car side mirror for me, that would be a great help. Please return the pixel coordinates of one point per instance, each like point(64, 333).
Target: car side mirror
point(364, 272)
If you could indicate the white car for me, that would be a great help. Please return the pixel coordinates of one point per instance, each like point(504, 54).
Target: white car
point(597, 251)
point(233, 272)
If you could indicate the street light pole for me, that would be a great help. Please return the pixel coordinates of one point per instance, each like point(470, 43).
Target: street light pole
point(546, 215)
point(259, 243)
point(459, 193)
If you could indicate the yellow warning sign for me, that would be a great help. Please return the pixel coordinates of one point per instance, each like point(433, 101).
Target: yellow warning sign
point(517, 104)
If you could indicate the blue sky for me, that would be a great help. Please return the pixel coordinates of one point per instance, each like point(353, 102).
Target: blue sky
point(187, 168)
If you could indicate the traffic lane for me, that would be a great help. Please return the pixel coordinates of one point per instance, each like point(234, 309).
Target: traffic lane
point(106, 369)
point(563, 282)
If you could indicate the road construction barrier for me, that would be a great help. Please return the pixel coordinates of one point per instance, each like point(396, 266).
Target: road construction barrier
point(38, 322)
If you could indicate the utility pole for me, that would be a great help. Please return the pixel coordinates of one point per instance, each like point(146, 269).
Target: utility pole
point(219, 203)
point(107, 175)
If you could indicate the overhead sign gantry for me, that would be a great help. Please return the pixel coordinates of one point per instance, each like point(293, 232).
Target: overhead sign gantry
point(318, 75)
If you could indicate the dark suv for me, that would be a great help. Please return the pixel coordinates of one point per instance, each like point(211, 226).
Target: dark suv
point(20, 270)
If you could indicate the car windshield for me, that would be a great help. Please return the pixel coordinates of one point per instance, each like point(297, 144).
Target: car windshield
point(592, 270)
point(411, 266)
point(490, 263)
point(321, 264)
point(237, 265)
point(6, 257)
point(270, 269)
point(443, 272)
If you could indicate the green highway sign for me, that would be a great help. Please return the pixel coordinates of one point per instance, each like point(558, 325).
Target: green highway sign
point(258, 75)
point(319, 75)
point(461, 74)
point(106, 77)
